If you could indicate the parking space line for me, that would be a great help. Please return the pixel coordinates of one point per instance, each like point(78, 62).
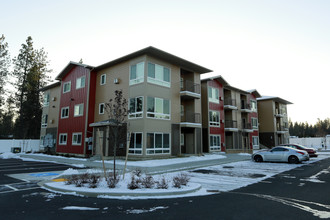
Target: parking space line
point(47, 167)
point(17, 190)
point(13, 188)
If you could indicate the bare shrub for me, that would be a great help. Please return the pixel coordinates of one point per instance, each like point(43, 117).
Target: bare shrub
point(162, 184)
point(137, 172)
point(134, 184)
point(93, 181)
point(148, 182)
point(112, 180)
point(84, 178)
point(180, 180)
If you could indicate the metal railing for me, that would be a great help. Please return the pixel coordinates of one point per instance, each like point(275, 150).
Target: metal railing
point(230, 124)
point(191, 117)
point(230, 101)
point(190, 86)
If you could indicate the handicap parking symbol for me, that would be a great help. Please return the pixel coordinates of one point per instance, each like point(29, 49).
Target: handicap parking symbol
point(43, 174)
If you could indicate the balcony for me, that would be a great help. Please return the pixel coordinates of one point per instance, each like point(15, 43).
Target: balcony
point(190, 90)
point(246, 108)
point(247, 127)
point(279, 113)
point(191, 119)
point(282, 129)
point(231, 125)
point(230, 104)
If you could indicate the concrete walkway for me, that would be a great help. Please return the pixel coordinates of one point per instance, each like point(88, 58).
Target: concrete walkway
point(168, 167)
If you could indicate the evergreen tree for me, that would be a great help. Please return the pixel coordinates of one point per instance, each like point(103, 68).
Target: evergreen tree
point(30, 71)
point(4, 68)
point(6, 124)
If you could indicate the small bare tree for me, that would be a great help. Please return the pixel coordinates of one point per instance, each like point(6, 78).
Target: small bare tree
point(117, 110)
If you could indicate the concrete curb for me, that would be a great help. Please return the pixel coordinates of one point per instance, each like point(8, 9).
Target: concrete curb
point(119, 194)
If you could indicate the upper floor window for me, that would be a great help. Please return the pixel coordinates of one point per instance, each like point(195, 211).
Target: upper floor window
point(254, 123)
point(79, 110)
point(253, 105)
point(80, 83)
point(103, 79)
point(65, 112)
point(46, 99)
point(213, 94)
point(67, 87)
point(101, 108)
point(159, 75)
point(214, 118)
point(158, 108)
point(44, 121)
point(136, 107)
point(136, 73)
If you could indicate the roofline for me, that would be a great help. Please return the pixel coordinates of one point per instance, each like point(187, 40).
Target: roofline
point(69, 67)
point(154, 52)
point(254, 92)
point(219, 78)
point(236, 89)
point(274, 98)
point(50, 86)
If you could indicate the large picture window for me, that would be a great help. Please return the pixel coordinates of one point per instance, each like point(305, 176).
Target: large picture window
point(213, 94)
point(62, 139)
point(136, 107)
point(76, 138)
point(159, 75)
point(67, 87)
point(79, 110)
point(215, 142)
point(135, 144)
point(136, 73)
point(158, 143)
point(158, 108)
point(214, 118)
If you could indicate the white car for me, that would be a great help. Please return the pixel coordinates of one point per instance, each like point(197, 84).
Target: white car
point(281, 154)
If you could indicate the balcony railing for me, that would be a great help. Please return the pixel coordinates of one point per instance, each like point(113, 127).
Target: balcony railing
point(245, 106)
point(230, 102)
point(247, 126)
point(230, 124)
point(190, 86)
point(191, 117)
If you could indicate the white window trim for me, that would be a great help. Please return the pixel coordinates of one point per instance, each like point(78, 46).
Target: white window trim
point(215, 147)
point(79, 86)
point(59, 138)
point(105, 79)
point(136, 80)
point(46, 99)
point(254, 109)
point(158, 81)
point(134, 149)
point(159, 116)
point(213, 123)
point(135, 114)
point(162, 149)
point(254, 127)
point(74, 110)
point(214, 99)
point(101, 113)
point(44, 123)
point(73, 135)
point(68, 112)
point(252, 141)
point(69, 82)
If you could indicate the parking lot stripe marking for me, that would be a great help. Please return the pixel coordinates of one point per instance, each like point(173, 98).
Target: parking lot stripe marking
point(21, 190)
point(13, 188)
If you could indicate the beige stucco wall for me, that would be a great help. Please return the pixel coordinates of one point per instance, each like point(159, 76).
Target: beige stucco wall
point(266, 116)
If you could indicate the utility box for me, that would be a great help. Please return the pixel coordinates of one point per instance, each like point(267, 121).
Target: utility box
point(16, 150)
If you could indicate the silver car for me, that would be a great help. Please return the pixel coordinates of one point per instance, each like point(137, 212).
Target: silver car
point(281, 154)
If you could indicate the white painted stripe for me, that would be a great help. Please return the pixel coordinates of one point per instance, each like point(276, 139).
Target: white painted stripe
point(17, 190)
point(10, 187)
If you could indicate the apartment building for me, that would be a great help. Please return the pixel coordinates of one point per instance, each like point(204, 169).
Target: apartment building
point(49, 120)
point(230, 117)
point(164, 96)
point(273, 121)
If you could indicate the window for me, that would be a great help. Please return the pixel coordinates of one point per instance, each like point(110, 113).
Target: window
point(79, 110)
point(67, 87)
point(46, 99)
point(215, 142)
point(44, 120)
point(254, 123)
point(158, 108)
point(255, 141)
point(76, 138)
point(214, 118)
point(135, 144)
point(62, 139)
point(101, 108)
point(253, 105)
point(80, 83)
point(159, 75)
point(213, 94)
point(136, 107)
point(103, 79)
point(65, 112)
point(158, 143)
point(136, 74)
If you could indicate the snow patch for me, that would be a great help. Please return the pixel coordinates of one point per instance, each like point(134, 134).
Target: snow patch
point(140, 211)
point(80, 208)
point(9, 155)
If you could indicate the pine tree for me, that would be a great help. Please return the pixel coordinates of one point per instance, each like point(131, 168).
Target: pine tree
point(30, 71)
point(4, 68)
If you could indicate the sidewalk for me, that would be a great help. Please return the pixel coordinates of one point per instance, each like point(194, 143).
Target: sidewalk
point(148, 166)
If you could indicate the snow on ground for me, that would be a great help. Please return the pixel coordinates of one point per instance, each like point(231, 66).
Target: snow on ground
point(80, 208)
point(8, 155)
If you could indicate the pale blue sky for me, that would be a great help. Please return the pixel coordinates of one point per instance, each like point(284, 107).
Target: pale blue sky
point(279, 47)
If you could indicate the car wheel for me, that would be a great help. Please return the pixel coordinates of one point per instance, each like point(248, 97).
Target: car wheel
point(258, 158)
point(293, 159)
